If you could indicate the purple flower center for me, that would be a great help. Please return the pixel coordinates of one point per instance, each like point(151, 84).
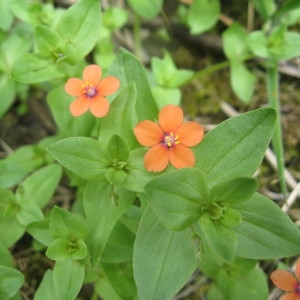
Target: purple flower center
point(89, 89)
point(170, 140)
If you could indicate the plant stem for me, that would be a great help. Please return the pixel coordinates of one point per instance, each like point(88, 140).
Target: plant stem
point(277, 140)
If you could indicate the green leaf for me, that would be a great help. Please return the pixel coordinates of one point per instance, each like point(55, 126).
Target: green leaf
point(236, 190)
point(117, 148)
point(286, 7)
point(8, 92)
point(247, 285)
point(236, 147)
point(266, 232)
point(178, 205)
point(39, 230)
point(120, 117)
point(102, 214)
point(48, 41)
point(64, 224)
point(62, 249)
point(11, 281)
point(46, 290)
point(258, 43)
point(163, 260)
point(234, 41)
point(79, 29)
point(242, 80)
point(218, 237)
point(68, 277)
point(146, 9)
point(203, 15)
point(119, 247)
point(16, 230)
point(7, 17)
point(127, 68)
point(288, 49)
point(265, 8)
point(34, 68)
point(165, 96)
point(6, 258)
point(166, 74)
point(28, 212)
point(121, 279)
point(40, 186)
point(84, 156)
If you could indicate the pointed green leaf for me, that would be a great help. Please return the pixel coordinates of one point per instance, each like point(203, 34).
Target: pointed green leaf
point(84, 156)
point(46, 290)
point(218, 237)
point(234, 41)
point(265, 232)
point(11, 281)
point(118, 148)
point(236, 147)
point(33, 68)
point(242, 80)
point(79, 29)
point(40, 186)
point(47, 40)
point(120, 117)
point(163, 259)
point(62, 249)
point(128, 69)
point(247, 285)
point(68, 278)
point(102, 214)
point(177, 197)
point(233, 191)
point(121, 279)
point(64, 224)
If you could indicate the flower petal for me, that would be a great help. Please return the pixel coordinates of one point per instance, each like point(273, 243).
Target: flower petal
point(73, 87)
point(284, 280)
point(99, 106)
point(148, 133)
point(170, 118)
point(290, 296)
point(182, 157)
point(92, 74)
point(190, 134)
point(108, 85)
point(297, 270)
point(157, 158)
point(79, 106)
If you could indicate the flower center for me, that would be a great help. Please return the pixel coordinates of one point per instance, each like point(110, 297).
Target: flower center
point(89, 89)
point(170, 140)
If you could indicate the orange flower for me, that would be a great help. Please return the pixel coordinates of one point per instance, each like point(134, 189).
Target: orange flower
point(91, 92)
point(169, 139)
point(287, 282)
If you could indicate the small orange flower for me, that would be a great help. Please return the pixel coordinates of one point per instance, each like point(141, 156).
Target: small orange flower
point(169, 139)
point(91, 92)
point(287, 282)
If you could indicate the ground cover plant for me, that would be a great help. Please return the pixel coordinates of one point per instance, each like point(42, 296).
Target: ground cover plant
point(131, 194)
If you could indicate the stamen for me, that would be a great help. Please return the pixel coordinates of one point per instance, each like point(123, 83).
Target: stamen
point(170, 140)
point(89, 89)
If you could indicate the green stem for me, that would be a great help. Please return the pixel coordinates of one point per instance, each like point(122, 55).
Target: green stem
point(277, 140)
